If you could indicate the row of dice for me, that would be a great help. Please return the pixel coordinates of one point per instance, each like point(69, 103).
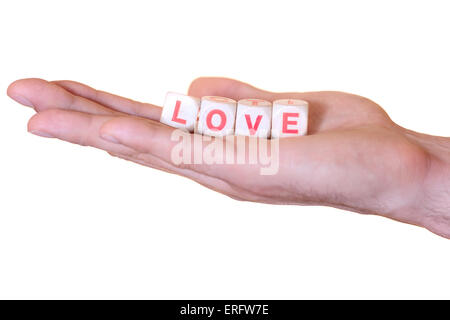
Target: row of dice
point(219, 116)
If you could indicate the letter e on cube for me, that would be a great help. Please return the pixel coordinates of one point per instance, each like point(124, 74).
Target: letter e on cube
point(289, 118)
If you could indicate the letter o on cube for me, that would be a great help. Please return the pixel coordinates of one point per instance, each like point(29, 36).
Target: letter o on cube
point(180, 111)
point(253, 118)
point(289, 118)
point(217, 116)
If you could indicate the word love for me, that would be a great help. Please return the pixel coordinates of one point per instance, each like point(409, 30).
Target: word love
point(220, 116)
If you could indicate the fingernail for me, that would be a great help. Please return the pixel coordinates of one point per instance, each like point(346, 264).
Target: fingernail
point(23, 100)
point(42, 134)
point(109, 138)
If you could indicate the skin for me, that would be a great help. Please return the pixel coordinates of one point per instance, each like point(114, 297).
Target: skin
point(355, 157)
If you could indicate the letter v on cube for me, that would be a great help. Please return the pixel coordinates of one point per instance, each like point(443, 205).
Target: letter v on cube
point(253, 118)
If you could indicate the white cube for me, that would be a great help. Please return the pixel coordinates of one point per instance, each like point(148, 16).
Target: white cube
point(253, 118)
point(217, 116)
point(289, 118)
point(180, 111)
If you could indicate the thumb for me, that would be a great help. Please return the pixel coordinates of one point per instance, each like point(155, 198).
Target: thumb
point(226, 88)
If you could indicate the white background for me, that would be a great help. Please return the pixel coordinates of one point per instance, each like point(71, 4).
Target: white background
point(77, 223)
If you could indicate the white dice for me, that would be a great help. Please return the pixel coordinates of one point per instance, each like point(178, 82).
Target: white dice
point(253, 118)
point(289, 118)
point(180, 111)
point(220, 116)
point(217, 116)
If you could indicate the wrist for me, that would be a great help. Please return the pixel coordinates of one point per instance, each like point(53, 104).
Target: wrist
point(432, 204)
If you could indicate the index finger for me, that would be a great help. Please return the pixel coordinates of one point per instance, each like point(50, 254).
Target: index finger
point(112, 101)
point(234, 159)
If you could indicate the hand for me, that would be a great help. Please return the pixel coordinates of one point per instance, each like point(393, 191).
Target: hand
point(354, 157)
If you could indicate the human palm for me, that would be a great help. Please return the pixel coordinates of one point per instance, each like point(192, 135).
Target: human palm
point(354, 157)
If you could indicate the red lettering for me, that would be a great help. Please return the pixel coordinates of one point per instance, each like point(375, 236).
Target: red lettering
point(253, 128)
point(254, 101)
point(287, 122)
point(223, 120)
point(176, 112)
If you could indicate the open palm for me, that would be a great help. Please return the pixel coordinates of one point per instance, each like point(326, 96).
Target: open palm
point(354, 157)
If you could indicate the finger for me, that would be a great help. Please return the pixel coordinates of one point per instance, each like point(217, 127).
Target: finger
point(84, 129)
point(112, 101)
point(209, 182)
point(234, 89)
point(43, 95)
point(160, 140)
point(75, 127)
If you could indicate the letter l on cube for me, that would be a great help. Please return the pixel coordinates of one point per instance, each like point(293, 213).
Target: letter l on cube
point(180, 111)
